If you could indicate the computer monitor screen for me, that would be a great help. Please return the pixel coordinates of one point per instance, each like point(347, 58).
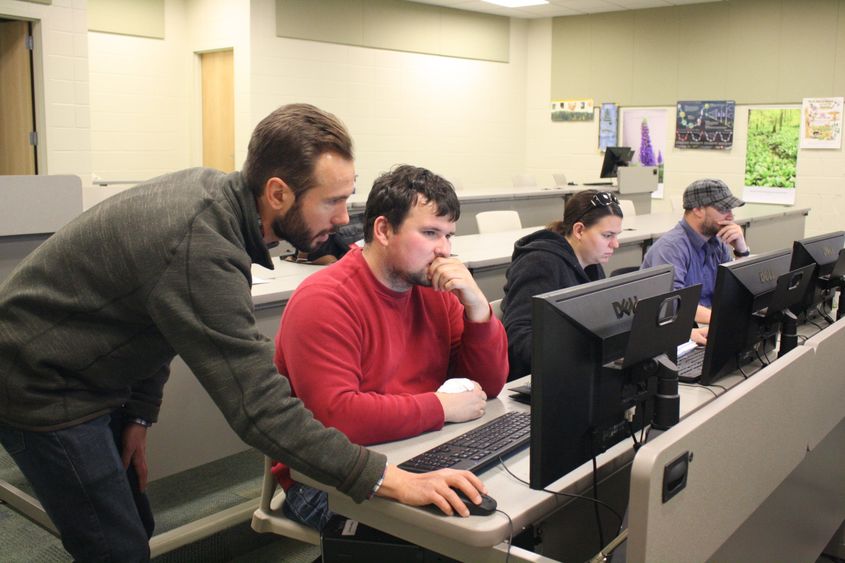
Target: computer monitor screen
point(823, 252)
point(614, 157)
point(736, 335)
point(581, 386)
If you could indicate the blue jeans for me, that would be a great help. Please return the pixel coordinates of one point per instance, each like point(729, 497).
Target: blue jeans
point(78, 477)
point(308, 506)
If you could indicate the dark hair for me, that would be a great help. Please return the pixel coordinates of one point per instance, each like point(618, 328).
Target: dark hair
point(395, 192)
point(581, 209)
point(287, 143)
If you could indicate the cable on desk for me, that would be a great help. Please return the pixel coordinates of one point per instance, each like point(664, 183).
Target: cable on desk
point(596, 497)
point(634, 435)
point(510, 536)
point(560, 494)
point(701, 387)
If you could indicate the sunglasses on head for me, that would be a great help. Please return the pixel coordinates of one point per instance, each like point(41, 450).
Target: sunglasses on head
point(601, 199)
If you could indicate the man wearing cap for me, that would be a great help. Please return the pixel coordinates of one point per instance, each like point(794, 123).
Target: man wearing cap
point(705, 237)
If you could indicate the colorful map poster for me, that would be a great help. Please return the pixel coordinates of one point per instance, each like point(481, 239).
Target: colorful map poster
point(608, 120)
point(572, 110)
point(705, 124)
point(821, 123)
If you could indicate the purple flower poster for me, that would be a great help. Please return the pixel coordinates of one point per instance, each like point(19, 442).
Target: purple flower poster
point(705, 124)
point(644, 130)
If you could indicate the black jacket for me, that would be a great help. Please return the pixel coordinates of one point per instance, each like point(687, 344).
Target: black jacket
point(542, 261)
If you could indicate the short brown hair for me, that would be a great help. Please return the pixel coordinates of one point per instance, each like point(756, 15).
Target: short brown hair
point(394, 193)
point(287, 143)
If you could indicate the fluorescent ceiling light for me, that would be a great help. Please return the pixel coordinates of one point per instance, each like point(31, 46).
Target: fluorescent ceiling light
point(516, 3)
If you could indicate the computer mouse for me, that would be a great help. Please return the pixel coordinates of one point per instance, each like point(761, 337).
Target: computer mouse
point(486, 508)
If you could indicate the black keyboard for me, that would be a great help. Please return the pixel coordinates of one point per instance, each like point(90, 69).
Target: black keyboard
point(690, 365)
point(479, 448)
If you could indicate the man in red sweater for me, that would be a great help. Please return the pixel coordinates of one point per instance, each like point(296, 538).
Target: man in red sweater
point(387, 325)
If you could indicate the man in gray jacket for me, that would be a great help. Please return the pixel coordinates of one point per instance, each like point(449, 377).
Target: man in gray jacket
point(90, 321)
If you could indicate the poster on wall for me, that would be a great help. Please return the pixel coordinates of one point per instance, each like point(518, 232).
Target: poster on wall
point(608, 120)
point(821, 123)
point(644, 130)
point(705, 124)
point(771, 158)
point(572, 110)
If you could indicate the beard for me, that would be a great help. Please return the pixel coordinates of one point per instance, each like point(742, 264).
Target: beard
point(400, 281)
point(292, 228)
point(710, 228)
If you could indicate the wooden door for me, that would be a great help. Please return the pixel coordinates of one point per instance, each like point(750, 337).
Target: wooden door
point(17, 154)
point(218, 110)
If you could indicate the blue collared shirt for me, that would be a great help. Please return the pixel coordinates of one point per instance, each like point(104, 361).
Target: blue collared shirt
point(694, 257)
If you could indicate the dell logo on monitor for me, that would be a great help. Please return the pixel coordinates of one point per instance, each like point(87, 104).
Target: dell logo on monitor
point(625, 306)
point(767, 276)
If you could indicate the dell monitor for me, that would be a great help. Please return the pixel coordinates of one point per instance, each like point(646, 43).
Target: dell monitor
point(823, 253)
point(614, 157)
point(745, 318)
point(593, 381)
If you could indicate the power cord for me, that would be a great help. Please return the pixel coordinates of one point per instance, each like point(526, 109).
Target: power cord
point(556, 493)
point(596, 506)
point(700, 387)
point(510, 534)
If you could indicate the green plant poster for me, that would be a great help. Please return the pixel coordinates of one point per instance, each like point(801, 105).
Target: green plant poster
point(772, 153)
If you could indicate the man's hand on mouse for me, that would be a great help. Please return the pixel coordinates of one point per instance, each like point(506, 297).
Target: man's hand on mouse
point(420, 489)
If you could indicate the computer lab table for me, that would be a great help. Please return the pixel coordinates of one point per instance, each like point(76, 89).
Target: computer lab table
point(485, 538)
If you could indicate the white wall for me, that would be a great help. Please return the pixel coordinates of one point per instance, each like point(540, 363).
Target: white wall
point(141, 99)
point(572, 148)
point(462, 118)
point(214, 25)
point(61, 85)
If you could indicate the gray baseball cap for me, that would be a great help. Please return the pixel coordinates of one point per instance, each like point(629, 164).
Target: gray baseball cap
point(716, 193)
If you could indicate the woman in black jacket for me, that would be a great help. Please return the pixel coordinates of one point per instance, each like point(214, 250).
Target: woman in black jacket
point(564, 254)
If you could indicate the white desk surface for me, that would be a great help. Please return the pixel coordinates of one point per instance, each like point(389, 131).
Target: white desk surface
point(494, 249)
point(280, 282)
point(523, 504)
point(358, 201)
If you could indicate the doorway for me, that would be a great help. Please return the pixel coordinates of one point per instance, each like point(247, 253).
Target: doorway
point(17, 126)
point(218, 110)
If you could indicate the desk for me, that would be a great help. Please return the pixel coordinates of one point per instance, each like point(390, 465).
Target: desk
point(536, 206)
point(488, 256)
point(767, 480)
point(483, 538)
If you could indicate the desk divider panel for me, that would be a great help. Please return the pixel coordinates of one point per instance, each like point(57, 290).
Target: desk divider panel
point(741, 447)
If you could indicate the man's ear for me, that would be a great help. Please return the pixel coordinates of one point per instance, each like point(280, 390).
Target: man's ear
point(277, 194)
point(382, 230)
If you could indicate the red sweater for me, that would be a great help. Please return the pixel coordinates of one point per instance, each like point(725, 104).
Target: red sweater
point(367, 360)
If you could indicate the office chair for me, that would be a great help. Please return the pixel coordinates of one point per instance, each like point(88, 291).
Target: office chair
point(497, 308)
point(497, 221)
point(628, 209)
point(269, 516)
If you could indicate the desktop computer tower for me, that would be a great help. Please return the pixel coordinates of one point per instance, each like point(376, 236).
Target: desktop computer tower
point(348, 541)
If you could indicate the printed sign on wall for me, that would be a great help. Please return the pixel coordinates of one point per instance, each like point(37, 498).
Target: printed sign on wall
point(572, 110)
point(707, 124)
point(821, 123)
